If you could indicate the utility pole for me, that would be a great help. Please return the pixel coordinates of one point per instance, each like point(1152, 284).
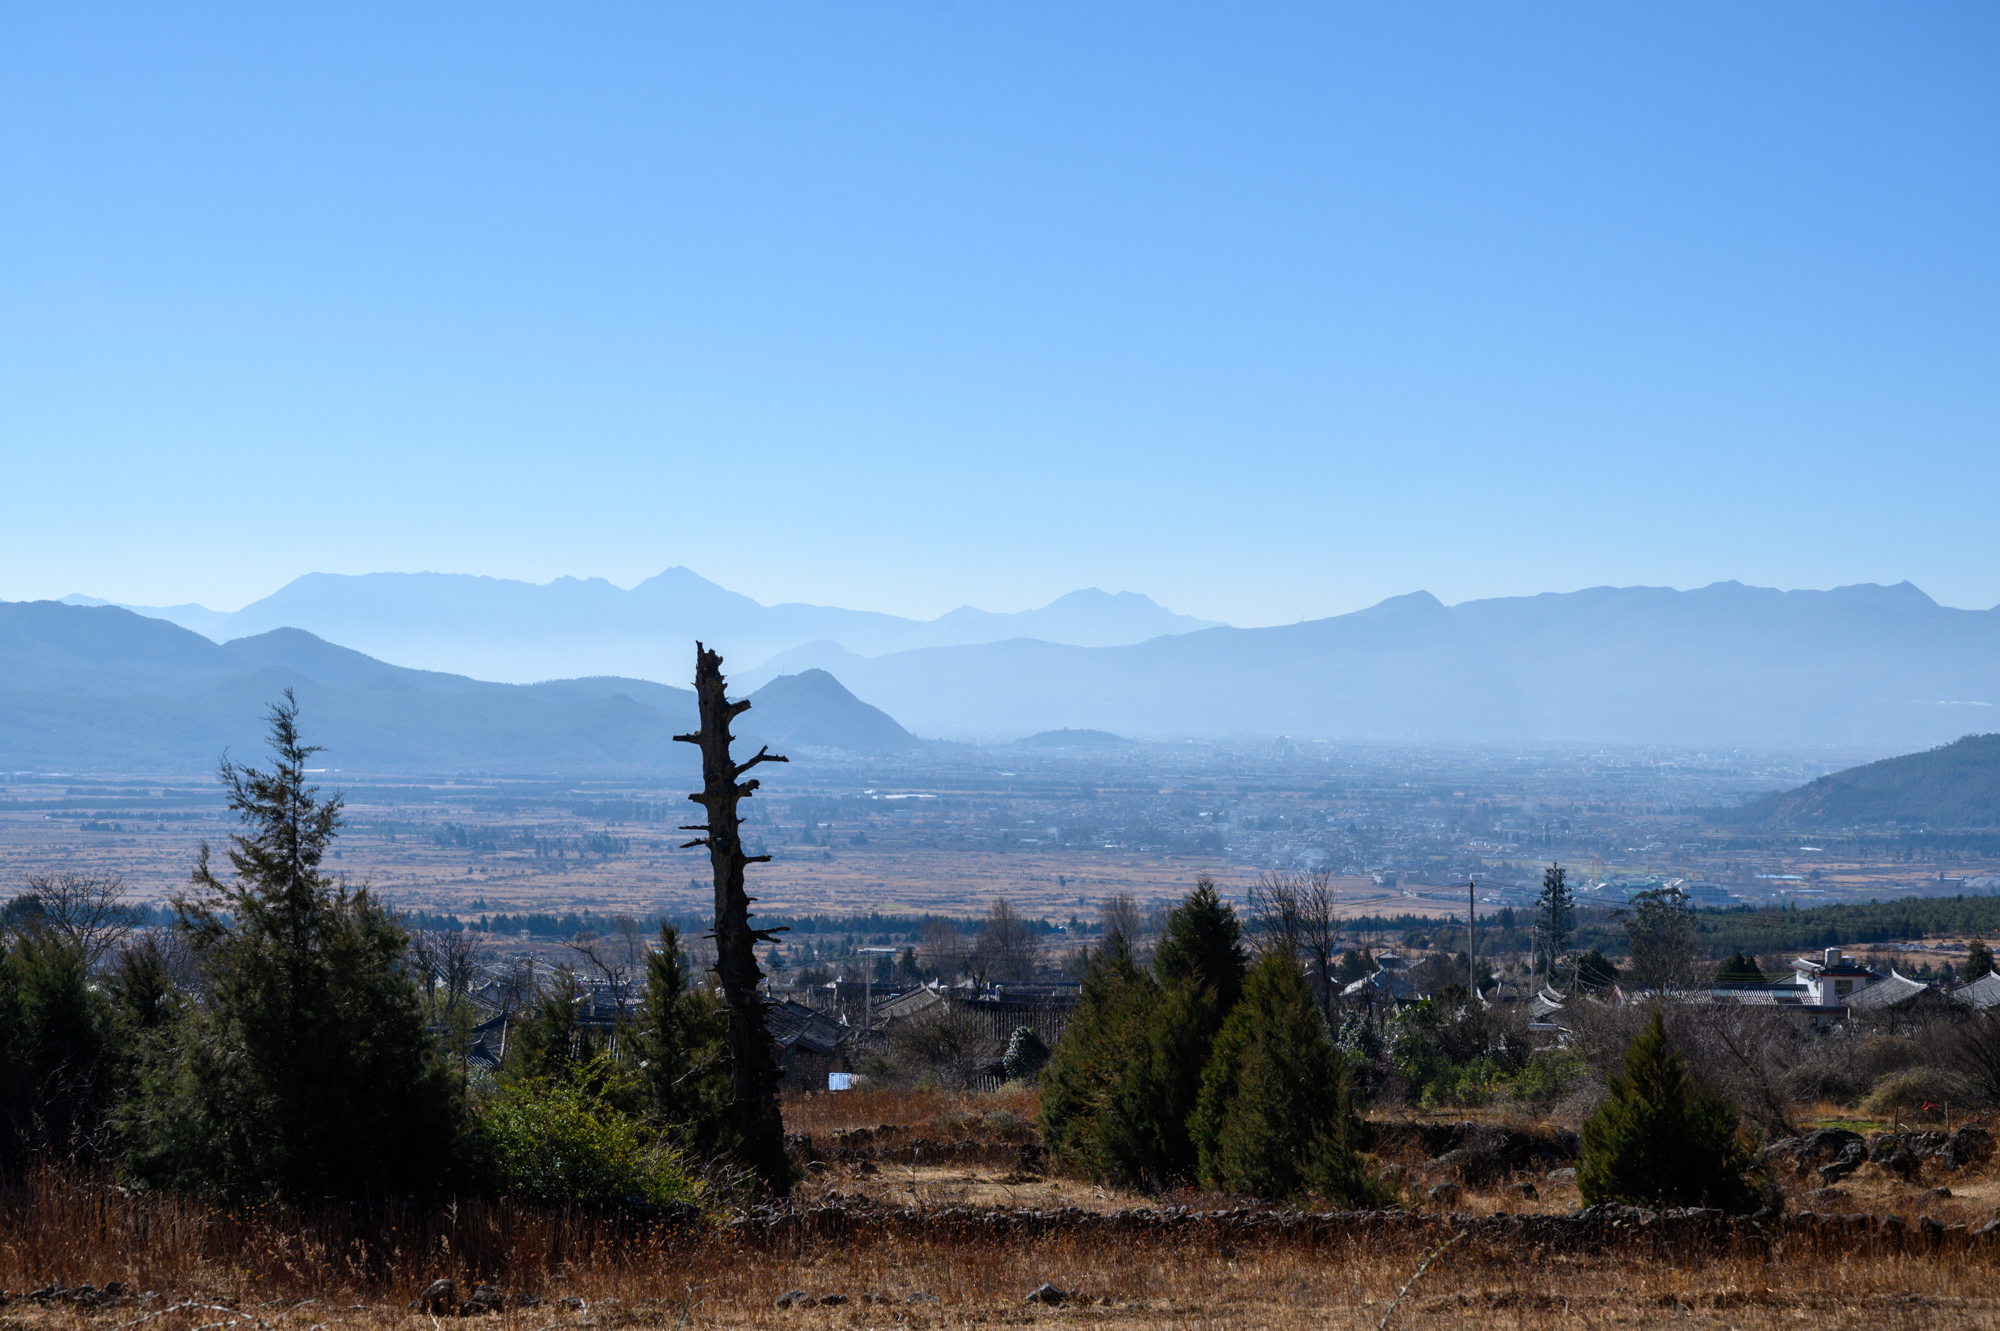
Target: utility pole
point(1471, 940)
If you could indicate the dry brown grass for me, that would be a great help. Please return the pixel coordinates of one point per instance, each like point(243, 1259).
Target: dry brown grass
point(266, 1265)
point(935, 1112)
point(283, 1270)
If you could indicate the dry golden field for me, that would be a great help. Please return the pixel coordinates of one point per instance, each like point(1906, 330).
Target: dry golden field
point(183, 1266)
point(418, 875)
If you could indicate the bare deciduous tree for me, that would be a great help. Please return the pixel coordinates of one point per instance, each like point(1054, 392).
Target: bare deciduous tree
point(1666, 945)
point(1004, 952)
point(1122, 914)
point(87, 911)
point(942, 945)
point(518, 985)
point(1293, 912)
point(447, 962)
point(617, 956)
point(945, 1042)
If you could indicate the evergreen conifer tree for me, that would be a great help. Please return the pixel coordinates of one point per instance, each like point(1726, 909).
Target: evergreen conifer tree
point(1739, 969)
point(1555, 918)
point(1662, 1139)
point(1204, 946)
point(1145, 1137)
point(1978, 961)
point(55, 1053)
point(1200, 967)
point(308, 1072)
point(682, 1038)
point(1092, 1061)
point(546, 1043)
point(1276, 1114)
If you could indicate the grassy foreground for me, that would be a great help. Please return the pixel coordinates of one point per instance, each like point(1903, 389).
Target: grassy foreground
point(186, 1266)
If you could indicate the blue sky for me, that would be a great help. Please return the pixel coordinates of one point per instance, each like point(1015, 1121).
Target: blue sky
point(1268, 311)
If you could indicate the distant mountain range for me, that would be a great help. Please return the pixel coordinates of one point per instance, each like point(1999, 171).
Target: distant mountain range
point(522, 631)
point(1956, 785)
point(1725, 665)
point(100, 688)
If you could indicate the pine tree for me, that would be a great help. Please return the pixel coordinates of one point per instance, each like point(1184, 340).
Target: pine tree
point(55, 1054)
point(547, 1044)
point(307, 1072)
point(1276, 1113)
point(682, 1039)
point(1555, 918)
point(1740, 968)
point(1978, 961)
point(1204, 946)
point(1093, 1060)
point(1145, 1136)
point(1662, 1139)
point(1200, 968)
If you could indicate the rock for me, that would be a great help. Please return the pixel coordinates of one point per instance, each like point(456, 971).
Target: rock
point(1905, 1164)
point(1967, 1146)
point(439, 1299)
point(831, 1300)
point(1475, 1165)
point(794, 1298)
point(571, 1303)
point(925, 1296)
point(1936, 1195)
point(1047, 1295)
point(1526, 1189)
point(1564, 1175)
point(485, 1299)
point(1444, 1194)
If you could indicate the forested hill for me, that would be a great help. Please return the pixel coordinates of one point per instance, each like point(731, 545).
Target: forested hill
point(1954, 785)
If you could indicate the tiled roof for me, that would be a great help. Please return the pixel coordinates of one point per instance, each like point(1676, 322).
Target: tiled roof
point(1983, 992)
point(1897, 989)
point(796, 1026)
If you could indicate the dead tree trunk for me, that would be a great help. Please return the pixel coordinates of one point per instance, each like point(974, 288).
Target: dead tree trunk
point(759, 1128)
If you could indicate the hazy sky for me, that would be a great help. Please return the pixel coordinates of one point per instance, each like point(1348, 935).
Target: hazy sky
point(1266, 310)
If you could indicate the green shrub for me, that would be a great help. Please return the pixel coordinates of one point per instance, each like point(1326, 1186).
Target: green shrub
point(1027, 1054)
point(1448, 1051)
point(1548, 1075)
point(1663, 1139)
point(552, 1141)
point(1465, 1085)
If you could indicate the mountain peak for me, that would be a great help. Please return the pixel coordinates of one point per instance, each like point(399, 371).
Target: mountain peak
point(812, 709)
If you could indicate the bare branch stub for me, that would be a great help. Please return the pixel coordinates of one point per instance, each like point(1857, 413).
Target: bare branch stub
point(759, 1127)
